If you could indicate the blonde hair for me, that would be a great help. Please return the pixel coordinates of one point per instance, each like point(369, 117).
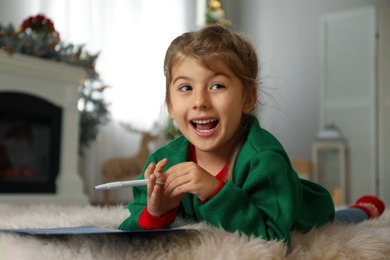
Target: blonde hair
point(217, 43)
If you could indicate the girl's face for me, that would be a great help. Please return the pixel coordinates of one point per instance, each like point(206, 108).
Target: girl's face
point(208, 105)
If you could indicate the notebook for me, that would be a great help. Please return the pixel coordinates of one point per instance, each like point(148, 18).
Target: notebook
point(86, 230)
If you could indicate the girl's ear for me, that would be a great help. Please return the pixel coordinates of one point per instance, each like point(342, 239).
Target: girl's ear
point(250, 100)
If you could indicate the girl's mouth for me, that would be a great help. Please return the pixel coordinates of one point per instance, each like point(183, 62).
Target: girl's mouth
point(204, 125)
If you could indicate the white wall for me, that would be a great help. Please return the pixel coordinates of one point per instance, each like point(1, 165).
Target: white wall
point(16, 11)
point(287, 36)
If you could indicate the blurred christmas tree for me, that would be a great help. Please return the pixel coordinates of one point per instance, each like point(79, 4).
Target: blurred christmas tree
point(93, 112)
point(215, 14)
point(170, 130)
point(37, 37)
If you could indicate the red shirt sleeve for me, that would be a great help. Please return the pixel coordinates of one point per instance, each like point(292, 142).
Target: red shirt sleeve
point(149, 222)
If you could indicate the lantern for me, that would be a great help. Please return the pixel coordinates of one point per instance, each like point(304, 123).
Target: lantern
point(329, 154)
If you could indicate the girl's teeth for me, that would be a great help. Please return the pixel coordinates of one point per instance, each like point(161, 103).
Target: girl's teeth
point(205, 126)
point(204, 121)
point(205, 131)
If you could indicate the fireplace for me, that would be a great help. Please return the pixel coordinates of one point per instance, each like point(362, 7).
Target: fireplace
point(30, 130)
point(39, 124)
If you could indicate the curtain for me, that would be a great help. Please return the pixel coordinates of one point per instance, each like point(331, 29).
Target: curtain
point(131, 37)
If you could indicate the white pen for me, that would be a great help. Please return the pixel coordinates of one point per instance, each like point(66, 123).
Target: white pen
point(124, 184)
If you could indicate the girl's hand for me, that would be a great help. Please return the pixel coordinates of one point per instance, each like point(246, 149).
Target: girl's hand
point(158, 203)
point(188, 177)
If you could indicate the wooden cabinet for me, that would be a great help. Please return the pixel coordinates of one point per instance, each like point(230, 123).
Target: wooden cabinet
point(355, 93)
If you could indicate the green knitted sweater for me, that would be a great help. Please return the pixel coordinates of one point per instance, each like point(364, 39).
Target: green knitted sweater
point(265, 198)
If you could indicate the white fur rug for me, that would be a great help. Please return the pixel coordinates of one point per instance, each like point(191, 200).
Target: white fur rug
point(368, 240)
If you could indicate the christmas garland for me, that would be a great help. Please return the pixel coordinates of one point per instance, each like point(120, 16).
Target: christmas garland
point(37, 37)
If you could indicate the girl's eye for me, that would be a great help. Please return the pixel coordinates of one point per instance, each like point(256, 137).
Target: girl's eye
point(217, 86)
point(185, 88)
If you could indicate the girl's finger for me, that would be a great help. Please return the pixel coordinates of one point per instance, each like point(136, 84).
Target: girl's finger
point(158, 170)
point(149, 170)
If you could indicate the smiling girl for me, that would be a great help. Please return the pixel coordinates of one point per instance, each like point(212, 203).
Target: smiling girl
point(224, 169)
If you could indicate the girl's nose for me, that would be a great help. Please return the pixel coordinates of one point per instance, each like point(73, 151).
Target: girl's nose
point(201, 100)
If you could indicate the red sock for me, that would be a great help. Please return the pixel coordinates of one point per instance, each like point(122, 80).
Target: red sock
point(372, 205)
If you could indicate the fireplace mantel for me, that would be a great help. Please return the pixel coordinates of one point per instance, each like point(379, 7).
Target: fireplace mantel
point(58, 83)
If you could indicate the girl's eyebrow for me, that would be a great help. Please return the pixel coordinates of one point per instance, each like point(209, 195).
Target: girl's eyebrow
point(212, 76)
point(180, 77)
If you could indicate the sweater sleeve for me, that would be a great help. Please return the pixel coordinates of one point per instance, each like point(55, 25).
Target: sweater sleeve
point(135, 208)
point(149, 222)
point(262, 200)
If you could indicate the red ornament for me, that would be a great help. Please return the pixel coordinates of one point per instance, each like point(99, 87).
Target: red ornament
point(41, 25)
